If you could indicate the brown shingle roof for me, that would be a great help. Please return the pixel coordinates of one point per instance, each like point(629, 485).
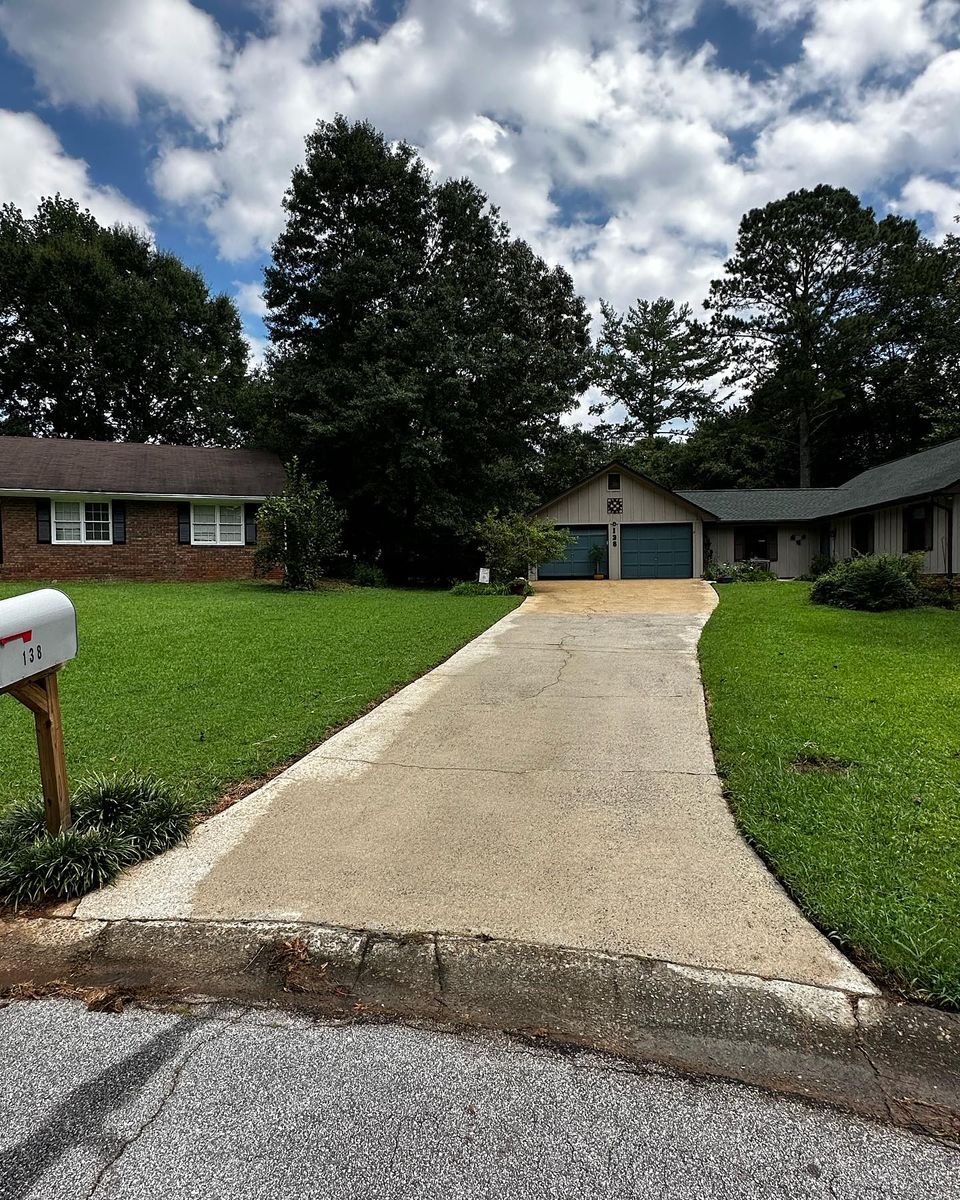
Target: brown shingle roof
point(133, 468)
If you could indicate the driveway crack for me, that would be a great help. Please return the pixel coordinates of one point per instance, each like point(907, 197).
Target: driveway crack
point(567, 656)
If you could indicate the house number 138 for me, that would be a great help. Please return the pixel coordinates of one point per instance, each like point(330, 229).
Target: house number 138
point(32, 654)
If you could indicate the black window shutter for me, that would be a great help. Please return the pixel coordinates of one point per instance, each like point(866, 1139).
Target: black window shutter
point(928, 527)
point(773, 544)
point(250, 524)
point(906, 531)
point(43, 521)
point(739, 545)
point(183, 523)
point(119, 522)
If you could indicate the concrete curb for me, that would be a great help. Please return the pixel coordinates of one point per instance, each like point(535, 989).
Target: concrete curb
point(875, 1056)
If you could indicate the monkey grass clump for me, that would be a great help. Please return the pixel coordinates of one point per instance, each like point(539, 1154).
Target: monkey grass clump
point(118, 820)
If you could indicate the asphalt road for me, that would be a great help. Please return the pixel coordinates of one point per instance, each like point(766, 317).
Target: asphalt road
point(261, 1105)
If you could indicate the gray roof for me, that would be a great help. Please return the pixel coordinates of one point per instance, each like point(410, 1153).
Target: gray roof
point(764, 504)
point(134, 468)
point(916, 475)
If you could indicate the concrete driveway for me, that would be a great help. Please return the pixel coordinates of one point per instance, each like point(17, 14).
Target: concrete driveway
point(552, 782)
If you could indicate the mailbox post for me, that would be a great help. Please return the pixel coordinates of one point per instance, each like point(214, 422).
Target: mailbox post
point(38, 634)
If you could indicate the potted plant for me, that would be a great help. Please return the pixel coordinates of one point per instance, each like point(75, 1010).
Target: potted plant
point(598, 556)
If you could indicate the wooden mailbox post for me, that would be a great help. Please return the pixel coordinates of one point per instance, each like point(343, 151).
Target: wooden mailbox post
point(38, 634)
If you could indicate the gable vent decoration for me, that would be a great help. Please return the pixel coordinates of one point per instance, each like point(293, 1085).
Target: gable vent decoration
point(614, 504)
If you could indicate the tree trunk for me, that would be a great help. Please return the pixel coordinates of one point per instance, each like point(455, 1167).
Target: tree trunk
point(803, 434)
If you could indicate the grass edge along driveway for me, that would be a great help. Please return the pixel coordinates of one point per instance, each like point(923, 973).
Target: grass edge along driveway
point(209, 685)
point(837, 735)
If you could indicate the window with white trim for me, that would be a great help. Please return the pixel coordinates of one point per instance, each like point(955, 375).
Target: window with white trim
point(81, 522)
point(216, 524)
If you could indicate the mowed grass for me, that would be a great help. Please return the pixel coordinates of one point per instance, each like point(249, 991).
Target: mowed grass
point(838, 735)
point(206, 685)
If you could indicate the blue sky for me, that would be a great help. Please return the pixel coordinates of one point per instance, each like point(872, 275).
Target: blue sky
point(623, 138)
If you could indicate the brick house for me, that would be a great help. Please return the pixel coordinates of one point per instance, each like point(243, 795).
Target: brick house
point(118, 510)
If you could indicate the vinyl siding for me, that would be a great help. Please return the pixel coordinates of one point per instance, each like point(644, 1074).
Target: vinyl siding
point(641, 505)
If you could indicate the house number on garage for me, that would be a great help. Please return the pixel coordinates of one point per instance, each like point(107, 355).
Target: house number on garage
point(614, 533)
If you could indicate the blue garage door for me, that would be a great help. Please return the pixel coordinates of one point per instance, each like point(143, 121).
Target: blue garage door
point(656, 551)
point(577, 564)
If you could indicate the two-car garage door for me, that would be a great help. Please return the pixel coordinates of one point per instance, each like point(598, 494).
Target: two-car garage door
point(650, 551)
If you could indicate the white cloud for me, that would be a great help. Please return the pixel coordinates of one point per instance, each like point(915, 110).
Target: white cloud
point(249, 297)
point(607, 142)
point(850, 37)
point(33, 164)
point(108, 53)
point(922, 196)
point(258, 346)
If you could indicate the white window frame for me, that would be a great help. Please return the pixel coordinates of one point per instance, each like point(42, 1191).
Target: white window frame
point(83, 501)
point(216, 505)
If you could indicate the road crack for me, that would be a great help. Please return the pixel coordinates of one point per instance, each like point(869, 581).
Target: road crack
point(168, 1094)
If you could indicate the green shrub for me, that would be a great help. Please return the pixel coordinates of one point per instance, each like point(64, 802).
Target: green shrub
point(747, 572)
point(301, 532)
point(820, 564)
point(119, 820)
point(161, 824)
point(64, 866)
point(515, 587)
point(744, 572)
point(871, 582)
point(23, 821)
point(367, 575)
point(139, 809)
point(514, 543)
point(938, 591)
point(112, 800)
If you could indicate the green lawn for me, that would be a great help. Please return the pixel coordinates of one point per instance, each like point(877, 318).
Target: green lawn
point(209, 684)
point(871, 850)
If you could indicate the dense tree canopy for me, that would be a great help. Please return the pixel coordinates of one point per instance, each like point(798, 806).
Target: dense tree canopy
point(419, 355)
point(103, 336)
point(825, 311)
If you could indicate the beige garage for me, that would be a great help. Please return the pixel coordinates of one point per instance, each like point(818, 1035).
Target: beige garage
point(648, 531)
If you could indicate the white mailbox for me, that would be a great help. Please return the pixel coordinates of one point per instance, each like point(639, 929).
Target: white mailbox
point(38, 631)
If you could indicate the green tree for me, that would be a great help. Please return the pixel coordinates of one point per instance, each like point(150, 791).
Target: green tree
point(419, 355)
point(103, 336)
point(801, 307)
point(301, 532)
point(657, 364)
point(939, 401)
point(513, 543)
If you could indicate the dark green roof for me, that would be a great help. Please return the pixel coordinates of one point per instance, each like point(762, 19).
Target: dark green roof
point(764, 504)
point(917, 475)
